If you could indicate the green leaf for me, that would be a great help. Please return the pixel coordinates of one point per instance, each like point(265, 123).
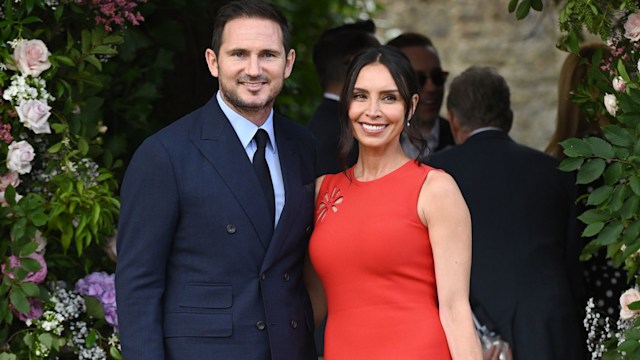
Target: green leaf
point(574, 147)
point(7, 356)
point(94, 307)
point(29, 264)
point(622, 71)
point(600, 195)
point(629, 345)
point(46, 339)
point(593, 215)
point(600, 147)
point(610, 233)
point(536, 5)
point(617, 135)
point(590, 171)
point(631, 233)
point(634, 184)
point(55, 148)
point(523, 9)
point(83, 146)
point(20, 302)
point(630, 207)
point(593, 229)
point(65, 60)
point(91, 59)
point(30, 289)
point(613, 174)
point(58, 12)
point(114, 352)
point(571, 164)
point(104, 50)
point(512, 5)
point(617, 198)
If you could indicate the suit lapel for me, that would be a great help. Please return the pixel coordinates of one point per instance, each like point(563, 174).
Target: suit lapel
point(215, 138)
point(290, 166)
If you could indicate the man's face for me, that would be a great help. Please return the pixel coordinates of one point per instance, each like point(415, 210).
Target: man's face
point(426, 63)
point(251, 66)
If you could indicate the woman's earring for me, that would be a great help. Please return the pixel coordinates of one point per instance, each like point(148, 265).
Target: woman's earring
point(408, 122)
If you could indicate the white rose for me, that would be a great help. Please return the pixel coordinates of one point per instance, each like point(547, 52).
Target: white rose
point(34, 114)
point(619, 84)
point(628, 297)
point(638, 65)
point(20, 156)
point(31, 57)
point(611, 103)
point(632, 27)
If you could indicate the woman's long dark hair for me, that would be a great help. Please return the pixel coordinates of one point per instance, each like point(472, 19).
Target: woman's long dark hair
point(406, 80)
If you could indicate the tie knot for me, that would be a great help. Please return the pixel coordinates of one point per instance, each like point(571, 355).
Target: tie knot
point(262, 138)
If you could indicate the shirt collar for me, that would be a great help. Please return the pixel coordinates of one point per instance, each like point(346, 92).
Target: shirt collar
point(331, 96)
point(483, 129)
point(244, 128)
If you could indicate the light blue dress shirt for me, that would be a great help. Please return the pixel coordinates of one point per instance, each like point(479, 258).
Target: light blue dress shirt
point(246, 130)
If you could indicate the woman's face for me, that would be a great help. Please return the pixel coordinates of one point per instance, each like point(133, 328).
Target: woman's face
point(376, 110)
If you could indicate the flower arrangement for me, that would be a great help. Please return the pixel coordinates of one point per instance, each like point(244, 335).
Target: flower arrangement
point(613, 216)
point(58, 203)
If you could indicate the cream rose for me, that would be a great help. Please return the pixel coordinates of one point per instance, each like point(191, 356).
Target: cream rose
point(632, 27)
point(34, 114)
point(19, 158)
point(619, 84)
point(31, 57)
point(611, 103)
point(628, 297)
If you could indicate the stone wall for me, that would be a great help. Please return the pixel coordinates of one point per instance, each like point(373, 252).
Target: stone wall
point(472, 32)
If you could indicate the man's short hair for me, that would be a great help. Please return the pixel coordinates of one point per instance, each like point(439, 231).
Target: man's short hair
point(335, 48)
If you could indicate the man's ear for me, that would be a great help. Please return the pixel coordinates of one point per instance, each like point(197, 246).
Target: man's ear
point(212, 62)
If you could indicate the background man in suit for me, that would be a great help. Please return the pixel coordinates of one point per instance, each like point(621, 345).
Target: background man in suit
point(332, 54)
point(207, 267)
point(426, 62)
point(525, 273)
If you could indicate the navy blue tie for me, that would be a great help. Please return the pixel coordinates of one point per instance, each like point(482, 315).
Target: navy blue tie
point(262, 169)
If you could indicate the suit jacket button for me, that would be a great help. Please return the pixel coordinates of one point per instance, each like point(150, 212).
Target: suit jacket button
point(263, 276)
point(261, 325)
point(231, 229)
point(286, 276)
point(294, 324)
point(308, 229)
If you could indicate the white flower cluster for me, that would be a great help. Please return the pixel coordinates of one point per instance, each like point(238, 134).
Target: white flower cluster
point(69, 305)
point(23, 88)
point(50, 321)
point(598, 330)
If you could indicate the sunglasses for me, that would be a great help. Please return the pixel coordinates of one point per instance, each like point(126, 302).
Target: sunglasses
point(437, 76)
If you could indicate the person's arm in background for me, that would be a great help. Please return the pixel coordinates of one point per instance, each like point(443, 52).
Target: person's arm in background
point(443, 210)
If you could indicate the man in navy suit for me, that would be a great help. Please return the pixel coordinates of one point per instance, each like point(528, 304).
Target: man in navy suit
point(426, 62)
point(332, 54)
point(204, 270)
point(525, 272)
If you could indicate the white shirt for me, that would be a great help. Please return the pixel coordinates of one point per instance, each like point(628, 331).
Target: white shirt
point(246, 130)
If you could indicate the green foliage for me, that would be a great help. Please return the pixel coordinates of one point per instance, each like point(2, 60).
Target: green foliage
point(613, 217)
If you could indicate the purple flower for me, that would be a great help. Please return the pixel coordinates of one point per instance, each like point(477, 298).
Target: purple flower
point(101, 286)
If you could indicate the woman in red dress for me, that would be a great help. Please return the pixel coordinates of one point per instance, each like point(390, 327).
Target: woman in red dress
point(392, 239)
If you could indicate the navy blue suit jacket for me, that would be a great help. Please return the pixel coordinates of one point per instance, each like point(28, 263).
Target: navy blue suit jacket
point(525, 271)
point(201, 272)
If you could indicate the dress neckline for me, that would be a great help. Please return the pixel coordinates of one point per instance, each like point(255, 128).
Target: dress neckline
point(355, 180)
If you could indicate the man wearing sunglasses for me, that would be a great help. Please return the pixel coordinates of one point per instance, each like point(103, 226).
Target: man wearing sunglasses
point(426, 62)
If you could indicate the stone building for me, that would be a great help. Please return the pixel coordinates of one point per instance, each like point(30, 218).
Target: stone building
point(471, 32)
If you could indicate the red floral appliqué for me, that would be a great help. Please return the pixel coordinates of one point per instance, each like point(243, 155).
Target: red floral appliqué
point(329, 202)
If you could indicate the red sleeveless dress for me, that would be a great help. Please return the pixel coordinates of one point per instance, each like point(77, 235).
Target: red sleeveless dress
point(374, 258)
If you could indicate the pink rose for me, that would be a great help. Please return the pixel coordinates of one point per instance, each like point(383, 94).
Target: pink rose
point(31, 57)
point(619, 84)
point(34, 114)
point(34, 277)
point(632, 27)
point(628, 297)
point(20, 156)
point(10, 178)
point(35, 310)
